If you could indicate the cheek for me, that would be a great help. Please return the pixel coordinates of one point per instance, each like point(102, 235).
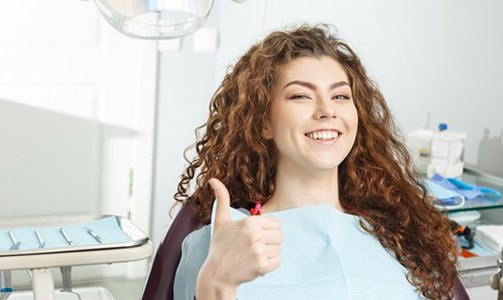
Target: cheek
point(350, 116)
point(355, 123)
point(284, 120)
point(352, 123)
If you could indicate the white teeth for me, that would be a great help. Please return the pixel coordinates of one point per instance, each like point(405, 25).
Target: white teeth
point(323, 135)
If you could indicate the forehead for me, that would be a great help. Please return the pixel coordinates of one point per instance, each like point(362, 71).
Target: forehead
point(323, 69)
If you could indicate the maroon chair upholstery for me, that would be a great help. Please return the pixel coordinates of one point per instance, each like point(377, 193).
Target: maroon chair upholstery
point(160, 282)
point(459, 290)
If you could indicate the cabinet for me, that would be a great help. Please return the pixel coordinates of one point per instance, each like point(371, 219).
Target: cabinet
point(476, 271)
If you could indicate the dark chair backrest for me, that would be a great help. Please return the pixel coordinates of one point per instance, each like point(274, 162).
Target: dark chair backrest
point(160, 282)
point(459, 290)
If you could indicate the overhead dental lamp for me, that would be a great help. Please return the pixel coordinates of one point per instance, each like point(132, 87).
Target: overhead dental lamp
point(156, 19)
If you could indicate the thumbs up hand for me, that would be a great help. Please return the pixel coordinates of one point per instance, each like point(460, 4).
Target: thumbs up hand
point(240, 251)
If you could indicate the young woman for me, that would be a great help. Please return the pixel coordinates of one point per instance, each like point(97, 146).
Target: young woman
point(299, 128)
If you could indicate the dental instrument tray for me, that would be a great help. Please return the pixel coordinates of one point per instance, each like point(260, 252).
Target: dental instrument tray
point(64, 234)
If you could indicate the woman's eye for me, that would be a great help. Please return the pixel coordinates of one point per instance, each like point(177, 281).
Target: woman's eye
point(341, 97)
point(300, 97)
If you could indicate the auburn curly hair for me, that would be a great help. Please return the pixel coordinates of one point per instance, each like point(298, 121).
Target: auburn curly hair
point(377, 180)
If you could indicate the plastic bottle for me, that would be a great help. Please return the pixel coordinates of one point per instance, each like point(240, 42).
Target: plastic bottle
point(420, 145)
point(420, 141)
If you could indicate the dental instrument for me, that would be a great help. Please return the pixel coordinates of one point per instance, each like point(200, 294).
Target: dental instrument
point(67, 238)
point(15, 243)
point(40, 240)
point(94, 235)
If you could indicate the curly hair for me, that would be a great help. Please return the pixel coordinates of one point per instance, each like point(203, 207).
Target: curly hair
point(377, 180)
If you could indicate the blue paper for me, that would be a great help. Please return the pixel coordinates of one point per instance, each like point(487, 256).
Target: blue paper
point(327, 255)
point(444, 196)
point(465, 189)
point(107, 229)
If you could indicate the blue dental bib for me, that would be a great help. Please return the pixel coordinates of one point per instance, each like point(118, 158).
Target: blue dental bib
point(327, 255)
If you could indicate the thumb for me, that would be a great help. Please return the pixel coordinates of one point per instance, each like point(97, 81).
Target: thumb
point(222, 215)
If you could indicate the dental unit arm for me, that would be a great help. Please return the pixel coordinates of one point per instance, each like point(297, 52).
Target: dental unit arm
point(496, 282)
point(5, 284)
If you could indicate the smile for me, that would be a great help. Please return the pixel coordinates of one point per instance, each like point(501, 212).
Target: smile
point(323, 135)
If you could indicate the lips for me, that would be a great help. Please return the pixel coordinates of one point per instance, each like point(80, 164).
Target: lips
point(324, 135)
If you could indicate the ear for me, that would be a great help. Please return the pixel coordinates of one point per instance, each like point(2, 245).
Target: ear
point(266, 131)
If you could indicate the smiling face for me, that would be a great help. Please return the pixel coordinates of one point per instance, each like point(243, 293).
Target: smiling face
point(313, 119)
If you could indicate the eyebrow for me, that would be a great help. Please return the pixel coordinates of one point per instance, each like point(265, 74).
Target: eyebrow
point(312, 86)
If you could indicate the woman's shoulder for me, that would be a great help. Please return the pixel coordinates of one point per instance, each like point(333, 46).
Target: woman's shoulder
point(195, 248)
point(197, 242)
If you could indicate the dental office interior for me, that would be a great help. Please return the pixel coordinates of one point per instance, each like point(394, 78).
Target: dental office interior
point(94, 124)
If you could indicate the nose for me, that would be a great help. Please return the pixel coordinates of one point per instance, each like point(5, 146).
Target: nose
point(325, 109)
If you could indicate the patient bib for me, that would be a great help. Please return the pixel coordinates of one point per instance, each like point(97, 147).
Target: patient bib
point(327, 255)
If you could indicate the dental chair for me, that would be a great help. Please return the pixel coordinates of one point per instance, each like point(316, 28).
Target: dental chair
point(160, 282)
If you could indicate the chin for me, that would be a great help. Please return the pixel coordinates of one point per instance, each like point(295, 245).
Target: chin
point(327, 166)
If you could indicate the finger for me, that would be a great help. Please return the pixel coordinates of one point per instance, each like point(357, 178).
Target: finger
point(222, 215)
point(272, 264)
point(268, 223)
point(272, 251)
point(272, 237)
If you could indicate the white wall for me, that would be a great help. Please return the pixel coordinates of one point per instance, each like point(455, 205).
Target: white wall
point(76, 107)
point(442, 57)
point(186, 83)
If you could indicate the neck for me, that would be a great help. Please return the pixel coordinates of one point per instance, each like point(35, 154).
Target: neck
point(303, 188)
